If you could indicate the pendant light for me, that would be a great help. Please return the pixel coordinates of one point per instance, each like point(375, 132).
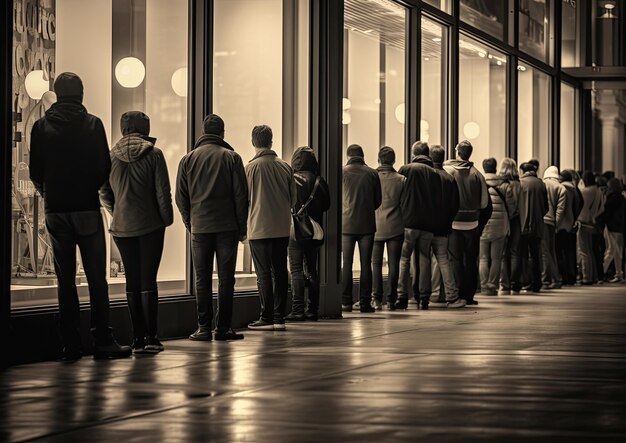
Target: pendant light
point(471, 129)
point(130, 71)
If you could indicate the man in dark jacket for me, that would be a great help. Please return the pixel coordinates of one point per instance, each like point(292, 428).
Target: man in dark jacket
point(362, 195)
point(68, 165)
point(464, 241)
point(566, 231)
point(421, 206)
point(533, 206)
point(212, 196)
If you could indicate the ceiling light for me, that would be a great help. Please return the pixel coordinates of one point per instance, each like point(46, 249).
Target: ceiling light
point(482, 54)
point(609, 6)
point(437, 39)
point(426, 58)
point(521, 68)
point(130, 72)
point(179, 82)
point(499, 63)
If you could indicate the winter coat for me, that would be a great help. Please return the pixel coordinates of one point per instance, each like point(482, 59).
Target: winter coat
point(137, 193)
point(449, 200)
point(511, 188)
point(69, 158)
point(362, 195)
point(573, 206)
point(211, 188)
point(593, 204)
point(613, 215)
point(305, 173)
point(389, 221)
point(557, 200)
point(271, 195)
point(473, 192)
point(498, 225)
point(423, 195)
point(533, 205)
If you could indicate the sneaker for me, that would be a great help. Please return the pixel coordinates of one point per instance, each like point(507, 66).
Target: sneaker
point(402, 304)
point(514, 292)
point(438, 304)
point(471, 302)
point(424, 305)
point(71, 354)
point(391, 305)
point(458, 303)
point(357, 305)
point(377, 305)
point(279, 326)
point(554, 286)
point(154, 346)
point(110, 350)
point(295, 317)
point(228, 335)
point(261, 325)
point(616, 280)
point(490, 291)
point(310, 316)
point(365, 308)
point(504, 292)
point(346, 308)
point(203, 333)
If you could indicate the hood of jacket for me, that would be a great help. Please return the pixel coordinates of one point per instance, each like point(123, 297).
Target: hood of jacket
point(423, 159)
point(133, 147)
point(494, 179)
point(210, 139)
point(551, 172)
point(303, 159)
point(459, 164)
point(66, 112)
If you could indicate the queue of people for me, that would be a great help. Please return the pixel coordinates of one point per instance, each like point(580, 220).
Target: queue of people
point(453, 229)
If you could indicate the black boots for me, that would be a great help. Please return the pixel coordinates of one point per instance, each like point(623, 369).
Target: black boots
point(106, 347)
point(135, 308)
point(150, 304)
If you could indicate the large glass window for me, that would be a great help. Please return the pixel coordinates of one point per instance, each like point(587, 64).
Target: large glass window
point(568, 151)
point(535, 36)
point(444, 5)
point(534, 121)
point(482, 99)
point(92, 38)
point(570, 34)
point(487, 15)
point(433, 98)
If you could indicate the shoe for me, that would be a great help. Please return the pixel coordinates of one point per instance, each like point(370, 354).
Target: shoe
point(261, 325)
point(203, 333)
point(458, 303)
point(153, 346)
point(71, 354)
point(471, 302)
point(438, 304)
point(139, 345)
point(554, 286)
point(346, 308)
point(424, 305)
point(377, 304)
point(150, 303)
point(357, 305)
point(504, 292)
point(514, 292)
point(110, 350)
point(616, 280)
point(228, 335)
point(310, 316)
point(391, 305)
point(402, 303)
point(279, 326)
point(135, 307)
point(366, 308)
point(295, 317)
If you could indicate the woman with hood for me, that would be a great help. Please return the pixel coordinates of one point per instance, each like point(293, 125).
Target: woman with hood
point(613, 220)
point(138, 197)
point(305, 253)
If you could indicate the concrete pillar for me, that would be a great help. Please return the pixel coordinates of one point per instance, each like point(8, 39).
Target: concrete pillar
point(611, 106)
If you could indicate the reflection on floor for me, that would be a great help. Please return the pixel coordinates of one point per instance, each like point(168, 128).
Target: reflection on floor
point(549, 367)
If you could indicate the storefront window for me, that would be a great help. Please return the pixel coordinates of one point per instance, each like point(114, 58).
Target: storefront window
point(570, 34)
point(487, 15)
point(444, 5)
point(482, 99)
point(568, 153)
point(433, 98)
point(533, 123)
point(535, 36)
point(90, 38)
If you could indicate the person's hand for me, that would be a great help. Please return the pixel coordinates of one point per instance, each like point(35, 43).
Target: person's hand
point(243, 238)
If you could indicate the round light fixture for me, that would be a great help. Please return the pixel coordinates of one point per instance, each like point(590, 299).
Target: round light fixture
point(521, 68)
point(346, 103)
point(346, 118)
point(424, 125)
point(130, 72)
point(399, 112)
point(36, 85)
point(499, 63)
point(179, 82)
point(437, 39)
point(609, 6)
point(471, 130)
point(482, 54)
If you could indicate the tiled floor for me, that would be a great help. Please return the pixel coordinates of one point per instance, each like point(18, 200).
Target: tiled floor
point(549, 367)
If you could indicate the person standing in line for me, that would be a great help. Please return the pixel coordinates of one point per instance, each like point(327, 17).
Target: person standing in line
point(592, 206)
point(309, 185)
point(533, 206)
point(138, 197)
point(598, 240)
point(389, 229)
point(464, 243)
point(272, 193)
point(497, 229)
point(212, 197)
point(557, 208)
point(69, 163)
point(566, 231)
point(362, 195)
point(613, 218)
point(421, 205)
point(510, 257)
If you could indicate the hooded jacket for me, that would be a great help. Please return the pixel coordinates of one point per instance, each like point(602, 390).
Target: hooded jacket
point(473, 192)
point(613, 214)
point(593, 205)
point(305, 173)
point(389, 221)
point(271, 195)
point(69, 158)
point(362, 195)
point(573, 206)
point(450, 202)
point(533, 205)
point(211, 188)
point(422, 199)
point(137, 193)
point(498, 225)
point(557, 199)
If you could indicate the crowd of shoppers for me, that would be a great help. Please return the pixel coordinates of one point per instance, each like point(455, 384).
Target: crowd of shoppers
point(456, 230)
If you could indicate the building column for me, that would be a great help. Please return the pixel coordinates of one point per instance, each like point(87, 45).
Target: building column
point(611, 106)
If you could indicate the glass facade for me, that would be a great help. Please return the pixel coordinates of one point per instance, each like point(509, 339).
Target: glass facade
point(569, 157)
point(433, 97)
point(570, 31)
point(487, 15)
point(535, 31)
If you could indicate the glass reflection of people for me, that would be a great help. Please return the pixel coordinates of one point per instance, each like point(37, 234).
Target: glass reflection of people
point(68, 165)
point(138, 197)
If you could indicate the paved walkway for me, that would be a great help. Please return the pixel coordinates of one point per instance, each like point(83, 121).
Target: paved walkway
point(549, 367)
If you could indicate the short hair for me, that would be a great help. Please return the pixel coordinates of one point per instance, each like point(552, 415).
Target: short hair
point(213, 125)
point(437, 154)
point(355, 150)
point(386, 156)
point(615, 186)
point(588, 178)
point(508, 169)
point(566, 175)
point(262, 136)
point(420, 148)
point(534, 162)
point(528, 167)
point(601, 180)
point(465, 149)
point(489, 165)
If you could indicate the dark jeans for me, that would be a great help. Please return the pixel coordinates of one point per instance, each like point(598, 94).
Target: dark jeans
point(585, 251)
point(416, 242)
point(204, 247)
point(530, 245)
point(599, 247)
point(566, 256)
point(366, 246)
point(463, 249)
point(550, 268)
point(141, 257)
point(394, 252)
point(301, 255)
point(270, 263)
point(85, 230)
point(511, 264)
